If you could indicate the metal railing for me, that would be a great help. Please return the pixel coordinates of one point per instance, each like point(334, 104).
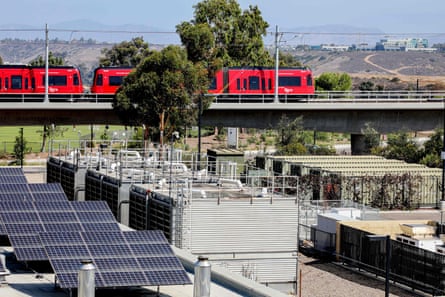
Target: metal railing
point(318, 97)
point(336, 96)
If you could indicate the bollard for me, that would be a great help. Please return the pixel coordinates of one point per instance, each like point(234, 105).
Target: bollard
point(86, 286)
point(202, 281)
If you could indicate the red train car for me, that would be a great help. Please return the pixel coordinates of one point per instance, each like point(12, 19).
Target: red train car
point(61, 80)
point(15, 79)
point(261, 80)
point(107, 80)
point(26, 80)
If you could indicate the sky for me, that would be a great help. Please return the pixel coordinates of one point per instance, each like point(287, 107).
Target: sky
point(389, 16)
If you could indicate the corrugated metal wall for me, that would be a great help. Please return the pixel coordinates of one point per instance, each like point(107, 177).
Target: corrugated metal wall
point(257, 238)
point(237, 225)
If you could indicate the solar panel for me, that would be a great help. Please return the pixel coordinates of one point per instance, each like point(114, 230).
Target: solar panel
point(46, 188)
point(11, 171)
point(49, 197)
point(27, 219)
point(28, 247)
point(15, 196)
point(121, 258)
point(90, 206)
point(3, 229)
point(14, 188)
point(14, 206)
point(13, 179)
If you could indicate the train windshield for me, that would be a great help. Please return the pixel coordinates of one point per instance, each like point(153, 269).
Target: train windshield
point(75, 80)
point(309, 80)
point(289, 81)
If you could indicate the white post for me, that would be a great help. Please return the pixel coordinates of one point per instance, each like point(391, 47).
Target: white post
point(46, 64)
point(277, 53)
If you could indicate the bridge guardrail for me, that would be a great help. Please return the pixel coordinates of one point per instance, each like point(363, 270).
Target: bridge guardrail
point(318, 97)
point(336, 96)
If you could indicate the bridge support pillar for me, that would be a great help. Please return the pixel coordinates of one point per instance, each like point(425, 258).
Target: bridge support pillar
point(358, 146)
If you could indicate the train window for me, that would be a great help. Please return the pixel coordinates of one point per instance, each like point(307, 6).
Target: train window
point(263, 84)
point(56, 80)
point(0, 83)
point(238, 84)
point(99, 80)
point(309, 80)
point(289, 81)
point(6, 82)
point(75, 80)
point(115, 80)
point(33, 83)
point(254, 83)
point(270, 84)
point(213, 84)
point(26, 83)
point(16, 82)
point(244, 84)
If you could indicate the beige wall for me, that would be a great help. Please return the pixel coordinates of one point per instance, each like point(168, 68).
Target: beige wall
point(389, 227)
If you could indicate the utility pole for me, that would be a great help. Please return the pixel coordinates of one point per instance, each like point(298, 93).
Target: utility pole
point(46, 64)
point(277, 58)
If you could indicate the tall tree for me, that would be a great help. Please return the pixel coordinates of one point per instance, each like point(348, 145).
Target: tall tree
point(290, 139)
point(126, 53)
point(401, 147)
point(161, 91)
point(432, 150)
point(237, 35)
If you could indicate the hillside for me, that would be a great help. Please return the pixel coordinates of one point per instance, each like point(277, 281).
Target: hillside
point(379, 67)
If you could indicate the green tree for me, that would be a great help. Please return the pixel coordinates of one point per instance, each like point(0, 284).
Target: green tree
point(372, 138)
point(432, 150)
point(237, 35)
point(401, 147)
point(161, 92)
point(20, 147)
point(331, 81)
point(53, 60)
point(287, 59)
point(126, 53)
point(290, 139)
point(366, 86)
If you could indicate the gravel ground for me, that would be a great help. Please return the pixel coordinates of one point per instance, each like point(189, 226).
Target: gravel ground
point(326, 279)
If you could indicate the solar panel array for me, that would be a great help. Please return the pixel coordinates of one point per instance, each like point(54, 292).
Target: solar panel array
point(43, 225)
point(24, 220)
point(121, 259)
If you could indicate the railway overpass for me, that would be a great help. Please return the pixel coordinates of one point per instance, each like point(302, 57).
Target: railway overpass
point(344, 112)
point(341, 113)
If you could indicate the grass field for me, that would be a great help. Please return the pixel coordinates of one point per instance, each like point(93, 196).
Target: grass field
point(33, 135)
